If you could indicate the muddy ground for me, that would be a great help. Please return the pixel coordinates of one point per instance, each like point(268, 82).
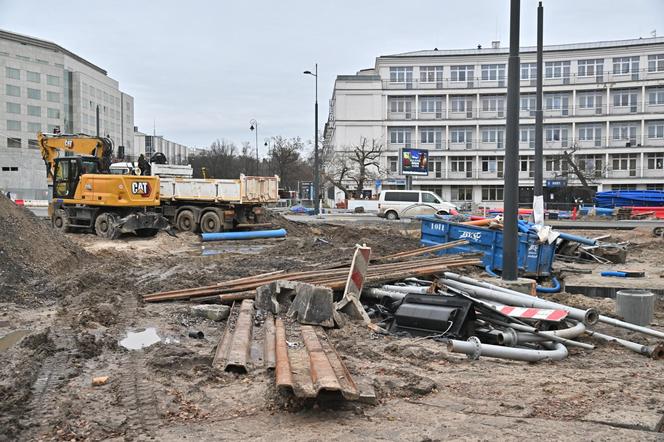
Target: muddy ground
point(73, 320)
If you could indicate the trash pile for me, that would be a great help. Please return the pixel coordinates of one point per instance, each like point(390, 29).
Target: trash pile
point(482, 319)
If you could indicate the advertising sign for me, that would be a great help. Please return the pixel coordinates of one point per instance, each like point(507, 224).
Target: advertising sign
point(414, 162)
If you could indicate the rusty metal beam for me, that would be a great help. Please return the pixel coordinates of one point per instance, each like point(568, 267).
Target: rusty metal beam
point(234, 349)
point(283, 375)
point(269, 355)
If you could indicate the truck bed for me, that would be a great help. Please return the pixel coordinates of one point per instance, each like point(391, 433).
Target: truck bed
point(245, 190)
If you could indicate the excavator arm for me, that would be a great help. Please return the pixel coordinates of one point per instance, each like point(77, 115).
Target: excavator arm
point(52, 144)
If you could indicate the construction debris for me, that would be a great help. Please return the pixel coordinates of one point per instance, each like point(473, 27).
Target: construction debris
point(212, 312)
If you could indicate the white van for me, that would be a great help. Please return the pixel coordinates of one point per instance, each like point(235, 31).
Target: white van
point(395, 204)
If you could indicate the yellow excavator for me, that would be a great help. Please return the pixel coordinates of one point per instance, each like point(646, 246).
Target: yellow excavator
point(86, 196)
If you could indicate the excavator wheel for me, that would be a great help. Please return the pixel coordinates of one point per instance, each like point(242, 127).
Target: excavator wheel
point(185, 221)
point(104, 226)
point(210, 223)
point(61, 221)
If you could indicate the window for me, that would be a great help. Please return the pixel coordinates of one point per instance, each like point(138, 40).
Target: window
point(623, 187)
point(556, 102)
point(34, 111)
point(493, 104)
point(12, 73)
point(53, 113)
point(34, 127)
point(35, 94)
point(654, 186)
point(492, 193)
point(462, 73)
point(527, 164)
point(527, 135)
point(591, 163)
point(591, 68)
point(14, 143)
point(625, 65)
point(410, 197)
point(13, 125)
point(462, 193)
point(435, 169)
point(624, 132)
point(624, 161)
point(401, 74)
point(458, 104)
point(656, 63)
point(590, 133)
point(35, 77)
point(401, 135)
point(13, 108)
point(590, 101)
point(22, 57)
point(32, 144)
point(429, 198)
point(556, 69)
point(555, 133)
point(493, 72)
point(392, 163)
point(431, 105)
point(52, 80)
point(624, 99)
point(401, 104)
point(493, 135)
point(528, 71)
point(461, 164)
point(53, 97)
point(528, 102)
point(13, 91)
point(461, 135)
point(552, 164)
point(655, 97)
point(430, 136)
point(430, 74)
point(656, 130)
point(493, 165)
point(655, 161)
point(52, 128)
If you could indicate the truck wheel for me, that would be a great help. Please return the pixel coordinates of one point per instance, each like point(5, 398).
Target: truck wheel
point(210, 223)
point(392, 215)
point(61, 221)
point(185, 221)
point(104, 226)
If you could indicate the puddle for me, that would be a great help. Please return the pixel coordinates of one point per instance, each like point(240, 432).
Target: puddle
point(142, 339)
point(243, 250)
point(11, 338)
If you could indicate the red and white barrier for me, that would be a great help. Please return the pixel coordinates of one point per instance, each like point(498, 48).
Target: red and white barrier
point(532, 313)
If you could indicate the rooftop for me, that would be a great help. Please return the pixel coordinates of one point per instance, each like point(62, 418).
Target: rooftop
point(45, 44)
point(550, 48)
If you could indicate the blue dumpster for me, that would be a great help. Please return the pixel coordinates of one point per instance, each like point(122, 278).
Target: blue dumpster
point(533, 259)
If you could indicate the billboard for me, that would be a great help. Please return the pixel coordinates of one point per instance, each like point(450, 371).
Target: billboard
point(414, 162)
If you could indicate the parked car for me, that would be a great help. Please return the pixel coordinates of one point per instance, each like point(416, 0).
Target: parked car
point(395, 204)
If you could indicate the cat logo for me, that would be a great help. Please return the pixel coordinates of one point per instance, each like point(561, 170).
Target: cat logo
point(140, 188)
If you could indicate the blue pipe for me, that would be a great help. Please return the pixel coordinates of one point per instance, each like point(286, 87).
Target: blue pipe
point(554, 289)
point(575, 238)
point(490, 271)
point(617, 274)
point(253, 234)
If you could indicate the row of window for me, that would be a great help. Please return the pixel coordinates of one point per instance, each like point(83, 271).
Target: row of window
point(588, 132)
point(553, 101)
point(16, 143)
point(14, 125)
point(34, 77)
point(35, 94)
point(33, 111)
point(552, 70)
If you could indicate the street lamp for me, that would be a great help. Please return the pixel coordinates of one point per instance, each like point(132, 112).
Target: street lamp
point(269, 154)
point(316, 199)
point(253, 125)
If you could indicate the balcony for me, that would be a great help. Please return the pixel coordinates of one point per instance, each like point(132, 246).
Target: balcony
point(402, 116)
point(432, 116)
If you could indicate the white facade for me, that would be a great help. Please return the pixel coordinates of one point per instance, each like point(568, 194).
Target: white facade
point(44, 87)
point(150, 144)
point(604, 101)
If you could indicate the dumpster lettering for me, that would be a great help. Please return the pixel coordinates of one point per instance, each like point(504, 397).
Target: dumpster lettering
point(475, 236)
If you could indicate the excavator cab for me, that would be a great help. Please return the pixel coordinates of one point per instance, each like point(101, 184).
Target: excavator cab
point(68, 172)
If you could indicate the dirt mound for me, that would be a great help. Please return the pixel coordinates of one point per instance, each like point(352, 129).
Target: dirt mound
point(30, 249)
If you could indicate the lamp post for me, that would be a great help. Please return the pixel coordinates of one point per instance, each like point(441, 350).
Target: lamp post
point(316, 199)
point(253, 126)
point(269, 154)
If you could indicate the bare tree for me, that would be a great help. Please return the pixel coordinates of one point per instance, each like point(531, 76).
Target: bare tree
point(285, 159)
point(356, 164)
point(366, 162)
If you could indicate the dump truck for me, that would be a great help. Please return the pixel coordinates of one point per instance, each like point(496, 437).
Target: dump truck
point(86, 196)
point(209, 205)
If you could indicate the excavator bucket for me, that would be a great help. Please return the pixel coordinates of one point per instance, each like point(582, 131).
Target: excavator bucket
point(143, 224)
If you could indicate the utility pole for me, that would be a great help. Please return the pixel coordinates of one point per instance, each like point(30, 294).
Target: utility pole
point(316, 166)
point(538, 191)
point(511, 193)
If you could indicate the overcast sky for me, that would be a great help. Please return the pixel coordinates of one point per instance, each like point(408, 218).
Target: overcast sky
point(203, 69)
